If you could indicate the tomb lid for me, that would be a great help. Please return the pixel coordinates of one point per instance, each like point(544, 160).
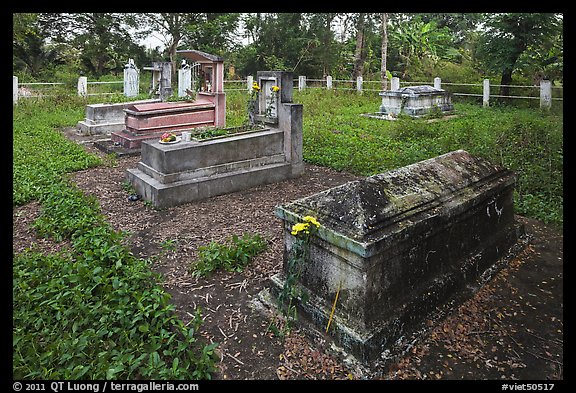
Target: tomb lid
point(414, 91)
point(200, 57)
point(160, 106)
point(365, 210)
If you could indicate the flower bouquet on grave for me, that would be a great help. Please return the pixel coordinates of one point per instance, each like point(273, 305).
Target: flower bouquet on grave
point(168, 137)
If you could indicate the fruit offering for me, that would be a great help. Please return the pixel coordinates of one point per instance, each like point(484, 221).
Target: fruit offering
point(168, 137)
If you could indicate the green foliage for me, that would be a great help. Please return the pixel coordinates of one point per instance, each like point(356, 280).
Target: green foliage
point(41, 154)
point(94, 310)
point(232, 256)
point(507, 37)
point(295, 264)
point(97, 311)
point(66, 211)
point(417, 41)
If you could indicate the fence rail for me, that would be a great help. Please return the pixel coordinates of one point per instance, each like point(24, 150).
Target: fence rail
point(542, 92)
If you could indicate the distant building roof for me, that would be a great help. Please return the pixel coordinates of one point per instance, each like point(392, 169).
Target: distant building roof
point(199, 56)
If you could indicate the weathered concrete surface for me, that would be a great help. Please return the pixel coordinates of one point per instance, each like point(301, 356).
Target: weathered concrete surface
point(398, 245)
point(170, 175)
point(106, 118)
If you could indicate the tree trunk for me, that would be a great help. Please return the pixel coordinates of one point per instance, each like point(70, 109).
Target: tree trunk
point(384, 48)
point(505, 83)
point(359, 53)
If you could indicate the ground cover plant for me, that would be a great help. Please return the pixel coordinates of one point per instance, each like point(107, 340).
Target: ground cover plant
point(232, 256)
point(95, 311)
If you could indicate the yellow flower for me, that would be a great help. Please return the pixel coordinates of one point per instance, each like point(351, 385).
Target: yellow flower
point(255, 86)
point(312, 221)
point(301, 226)
point(275, 89)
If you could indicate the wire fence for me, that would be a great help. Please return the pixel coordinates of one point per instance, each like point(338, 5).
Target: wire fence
point(545, 92)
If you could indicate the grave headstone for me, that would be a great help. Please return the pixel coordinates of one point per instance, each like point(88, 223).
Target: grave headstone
point(161, 82)
point(184, 79)
point(131, 79)
point(148, 122)
point(186, 171)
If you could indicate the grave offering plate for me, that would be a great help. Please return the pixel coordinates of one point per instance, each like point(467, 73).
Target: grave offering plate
point(178, 139)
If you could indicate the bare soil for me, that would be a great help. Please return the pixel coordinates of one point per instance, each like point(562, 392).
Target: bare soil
point(511, 329)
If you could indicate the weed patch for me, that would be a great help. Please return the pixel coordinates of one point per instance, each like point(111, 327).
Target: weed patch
point(232, 256)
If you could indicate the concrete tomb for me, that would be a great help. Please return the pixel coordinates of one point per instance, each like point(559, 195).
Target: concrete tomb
point(149, 121)
point(399, 246)
point(185, 171)
point(107, 118)
point(416, 101)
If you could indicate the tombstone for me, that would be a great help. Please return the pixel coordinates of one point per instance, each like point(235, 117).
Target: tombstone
point(131, 79)
point(399, 247)
point(416, 101)
point(184, 79)
point(161, 84)
point(276, 87)
point(212, 81)
point(186, 171)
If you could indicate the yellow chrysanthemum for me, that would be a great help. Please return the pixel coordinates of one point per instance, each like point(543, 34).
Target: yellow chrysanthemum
point(312, 221)
point(301, 226)
point(255, 86)
point(275, 89)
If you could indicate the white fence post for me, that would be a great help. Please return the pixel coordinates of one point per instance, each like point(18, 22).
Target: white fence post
point(83, 86)
point(301, 82)
point(486, 92)
point(249, 82)
point(545, 94)
point(437, 83)
point(395, 84)
point(329, 82)
point(359, 84)
point(14, 89)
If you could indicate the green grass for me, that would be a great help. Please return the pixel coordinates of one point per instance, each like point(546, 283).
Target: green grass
point(527, 141)
point(232, 256)
point(94, 310)
point(41, 154)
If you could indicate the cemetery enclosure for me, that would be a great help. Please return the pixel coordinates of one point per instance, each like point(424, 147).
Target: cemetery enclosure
point(159, 227)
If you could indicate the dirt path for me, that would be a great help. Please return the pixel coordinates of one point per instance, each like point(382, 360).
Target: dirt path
point(512, 328)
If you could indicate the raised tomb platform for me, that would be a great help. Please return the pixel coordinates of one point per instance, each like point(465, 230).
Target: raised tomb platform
point(186, 171)
point(399, 246)
point(150, 120)
point(106, 118)
point(416, 101)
